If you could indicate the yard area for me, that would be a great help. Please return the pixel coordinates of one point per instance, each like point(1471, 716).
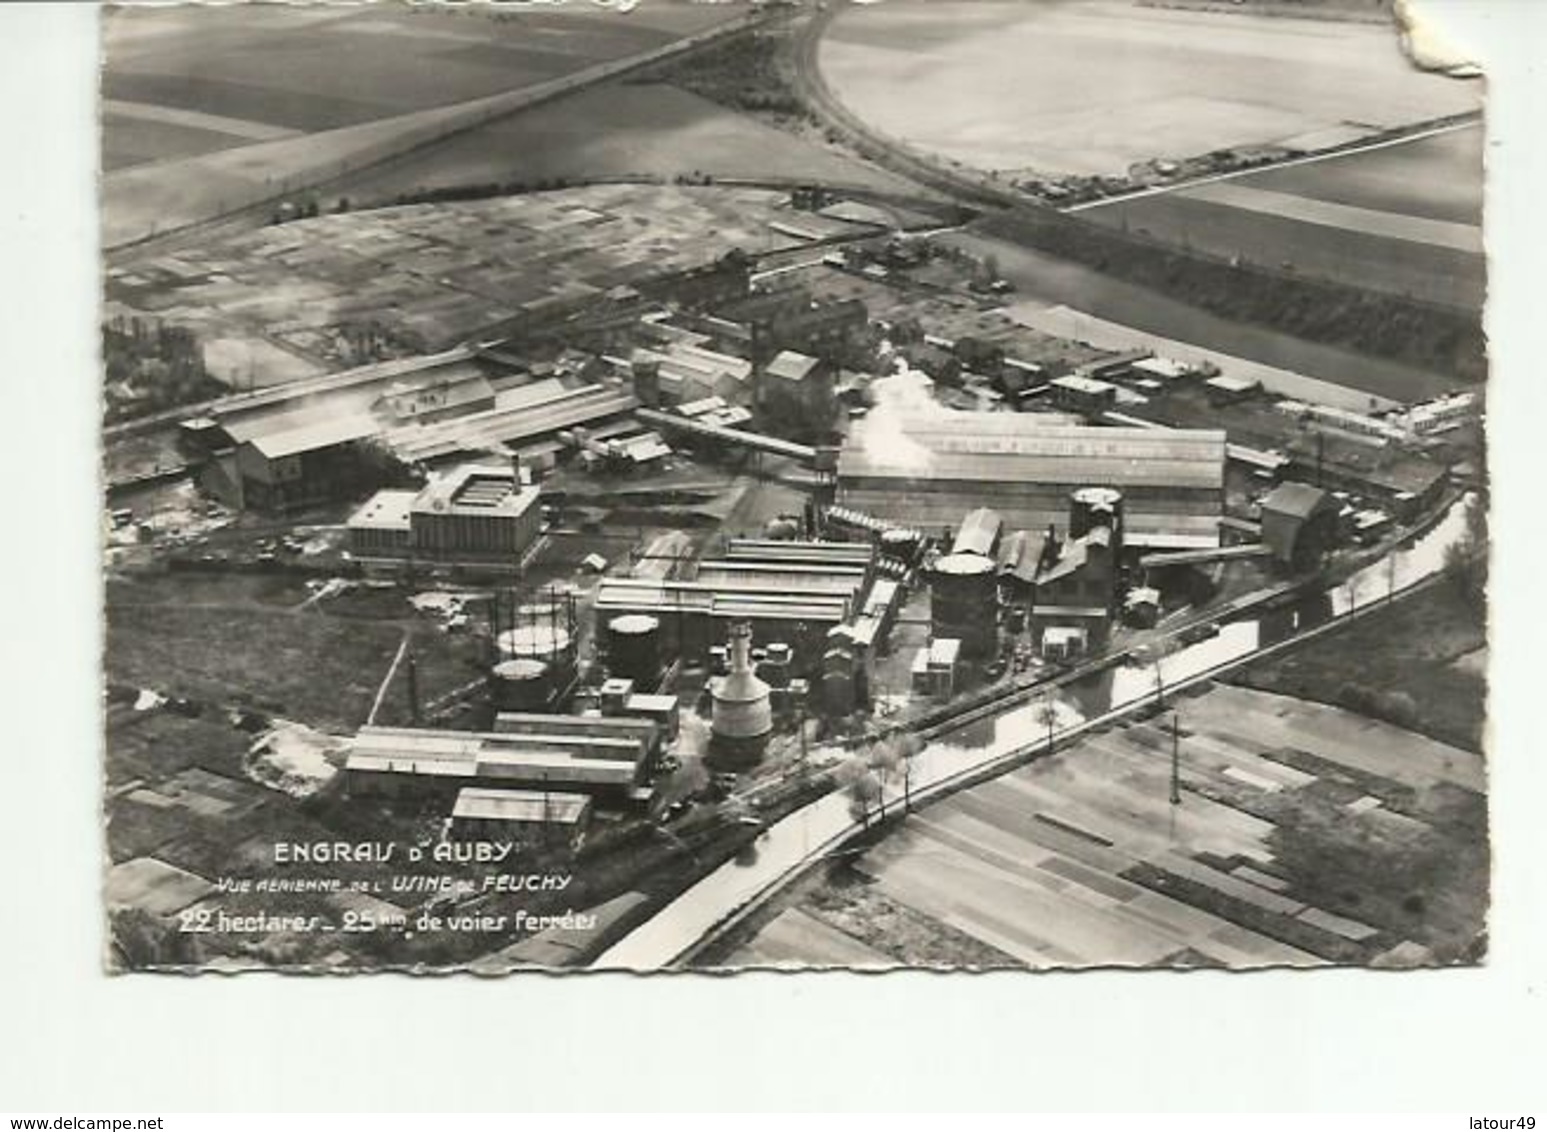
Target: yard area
point(267, 300)
point(255, 643)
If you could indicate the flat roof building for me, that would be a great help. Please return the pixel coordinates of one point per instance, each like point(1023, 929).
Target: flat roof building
point(476, 514)
point(497, 814)
point(393, 760)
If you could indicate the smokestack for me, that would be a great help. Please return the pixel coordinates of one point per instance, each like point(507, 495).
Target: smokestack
point(741, 647)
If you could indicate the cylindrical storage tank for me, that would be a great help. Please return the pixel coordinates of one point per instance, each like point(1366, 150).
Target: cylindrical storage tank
point(540, 610)
point(551, 644)
point(634, 648)
point(963, 602)
point(522, 684)
point(838, 693)
point(838, 658)
point(1095, 507)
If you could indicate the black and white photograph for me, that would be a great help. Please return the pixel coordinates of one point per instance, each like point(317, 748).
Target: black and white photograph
point(960, 485)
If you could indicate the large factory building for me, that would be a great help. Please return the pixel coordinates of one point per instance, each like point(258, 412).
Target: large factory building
point(934, 468)
point(793, 593)
point(475, 514)
point(606, 759)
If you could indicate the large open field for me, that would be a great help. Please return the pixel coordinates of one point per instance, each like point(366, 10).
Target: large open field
point(301, 68)
point(1305, 835)
point(1094, 87)
point(1405, 219)
point(212, 109)
point(616, 130)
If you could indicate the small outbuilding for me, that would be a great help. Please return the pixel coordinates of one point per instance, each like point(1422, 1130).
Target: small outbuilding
point(1299, 524)
point(526, 815)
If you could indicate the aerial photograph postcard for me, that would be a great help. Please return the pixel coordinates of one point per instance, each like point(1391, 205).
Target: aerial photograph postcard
point(791, 484)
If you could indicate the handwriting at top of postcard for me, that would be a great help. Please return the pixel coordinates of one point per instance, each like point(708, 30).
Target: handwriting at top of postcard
point(935, 483)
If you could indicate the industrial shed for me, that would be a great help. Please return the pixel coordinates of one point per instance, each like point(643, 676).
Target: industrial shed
point(1172, 479)
point(1299, 523)
point(695, 616)
point(482, 813)
point(394, 761)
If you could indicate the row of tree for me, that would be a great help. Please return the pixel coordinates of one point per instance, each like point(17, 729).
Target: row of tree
point(149, 366)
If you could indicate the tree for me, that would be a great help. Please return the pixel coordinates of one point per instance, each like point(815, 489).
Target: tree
point(886, 762)
point(861, 783)
point(866, 791)
point(1047, 714)
point(1466, 559)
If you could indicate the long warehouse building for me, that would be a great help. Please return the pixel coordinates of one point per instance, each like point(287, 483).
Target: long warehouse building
point(946, 464)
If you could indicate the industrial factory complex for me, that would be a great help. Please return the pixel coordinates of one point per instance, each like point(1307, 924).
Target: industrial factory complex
point(618, 566)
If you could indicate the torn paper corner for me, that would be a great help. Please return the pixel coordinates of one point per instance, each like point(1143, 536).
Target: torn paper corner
point(1425, 41)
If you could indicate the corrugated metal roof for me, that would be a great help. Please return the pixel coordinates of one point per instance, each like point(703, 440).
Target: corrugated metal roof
point(315, 436)
point(1056, 454)
point(493, 427)
point(780, 550)
point(542, 806)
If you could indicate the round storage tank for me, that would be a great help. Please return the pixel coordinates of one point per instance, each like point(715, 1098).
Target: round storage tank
point(1095, 507)
point(838, 693)
point(522, 684)
point(634, 648)
point(963, 602)
point(548, 643)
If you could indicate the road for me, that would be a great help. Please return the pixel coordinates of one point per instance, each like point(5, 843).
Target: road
point(1290, 163)
point(988, 747)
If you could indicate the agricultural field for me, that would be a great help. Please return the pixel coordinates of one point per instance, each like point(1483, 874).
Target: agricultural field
point(1405, 219)
point(1093, 87)
point(1305, 836)
point(210, 109)
point(255, 71)
point(638, 130)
